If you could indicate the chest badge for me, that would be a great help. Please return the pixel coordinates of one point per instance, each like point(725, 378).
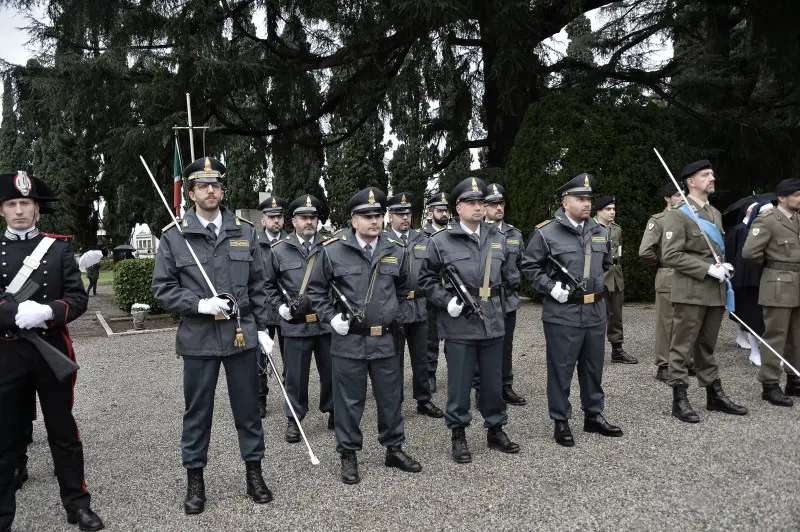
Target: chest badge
point(668, 234)
point(650, 226)
point(756, 231)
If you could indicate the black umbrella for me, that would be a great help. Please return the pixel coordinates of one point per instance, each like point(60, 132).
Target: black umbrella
point(124, 247)
point(734, 213)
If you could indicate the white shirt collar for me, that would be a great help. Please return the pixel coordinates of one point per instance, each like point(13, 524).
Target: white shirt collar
point(700, 203)
point(217, 221)
point(399, 234)
point(363, 244)
point(573, 222)
point(470, 231)
point(436, 226)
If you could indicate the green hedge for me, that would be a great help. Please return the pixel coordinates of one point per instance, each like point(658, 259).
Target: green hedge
point(132, 284)
point(612, 136)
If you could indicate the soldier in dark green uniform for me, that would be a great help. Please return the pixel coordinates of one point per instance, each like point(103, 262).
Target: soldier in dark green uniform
point(606, 212)
point(414, 309)
point(370, 270)
point(495, 204)
point(574, 321)
point(698, 294)
point(272, 223)
point(293, 260)
point(437, 207)
point(228, 250)
point(479, 254)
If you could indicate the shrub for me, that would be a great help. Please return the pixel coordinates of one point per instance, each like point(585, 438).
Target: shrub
point(132, 281)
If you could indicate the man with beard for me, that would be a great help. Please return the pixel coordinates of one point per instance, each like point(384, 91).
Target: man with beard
point(574, 319)
point(698, 293)
point(370, 271)
point(439, 216)
point(292, 262)
point(228, 250)
point(477, 253)
point(414, 311)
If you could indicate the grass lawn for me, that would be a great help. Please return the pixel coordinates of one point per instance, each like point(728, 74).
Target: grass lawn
point(106, 278)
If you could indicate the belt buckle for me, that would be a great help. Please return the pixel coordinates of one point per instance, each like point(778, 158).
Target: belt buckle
point(311, 318)
point(588, 298)
point(484, 292)
point(376, 331)
point(411, 295)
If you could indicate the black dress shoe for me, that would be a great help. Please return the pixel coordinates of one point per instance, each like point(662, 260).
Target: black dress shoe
point(195, 501)
point(460, 451)
point(262, 407)
point(772, 393)
point(20, 476)
point(426, 408)
point(681, 408)
point(496, 438)
point(432, 383)
point(662, 374)
point(256, 487)
point(511, 397)
point(396, 457)
point(599, 425)
point(331, 425)
point(292, 431)
point(563, 435)
point(86, 519)
point(716, 399)
point(350, 468)
point(792, 386)
point(620, 356)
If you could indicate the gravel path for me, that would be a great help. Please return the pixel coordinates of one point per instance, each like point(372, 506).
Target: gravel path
point(725, 473)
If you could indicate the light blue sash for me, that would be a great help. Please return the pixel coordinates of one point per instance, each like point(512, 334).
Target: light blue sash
point(715, 235)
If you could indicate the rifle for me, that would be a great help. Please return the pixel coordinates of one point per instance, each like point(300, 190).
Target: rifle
point(350, 313)
point(61, 364)
point(292, 302)
point(473, 307)
point(573, 283)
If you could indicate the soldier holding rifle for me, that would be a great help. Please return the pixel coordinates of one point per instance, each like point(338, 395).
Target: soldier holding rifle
point(470, 315)
point(368, 277)
point(43, 292)
point(566, 261)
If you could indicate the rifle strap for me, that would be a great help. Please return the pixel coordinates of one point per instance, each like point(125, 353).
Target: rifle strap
point(29, 265)
point(310, 267)
point(487, 272)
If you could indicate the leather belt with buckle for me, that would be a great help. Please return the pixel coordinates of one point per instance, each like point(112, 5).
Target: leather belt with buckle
point(377, 330)
point(586, 299)
point(411, 295)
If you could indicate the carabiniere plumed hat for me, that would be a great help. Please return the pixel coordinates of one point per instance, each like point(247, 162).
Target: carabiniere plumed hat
point(20, 185)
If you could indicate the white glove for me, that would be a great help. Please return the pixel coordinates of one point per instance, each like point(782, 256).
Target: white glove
point(454, 308)
point(340, 325)
point(265, 341)
point(285, 313)
point(212, 306)
point(717, 271)
point(33, 315)
point(559, 293)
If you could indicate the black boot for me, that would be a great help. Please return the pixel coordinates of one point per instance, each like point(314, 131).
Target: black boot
point(511, 397)
point(331, 422)
point(619, 355)
point(292, 431)
point(461, 452)
point(772, 393)
point(563, 434)
point(350, 468)
point(256, 487)
point(496, 438)
point(195, 501)
point(426, 408)
point(681, 408)
point(662, 374)
point(717, 400)
point(396, 457)
point(432, 383)
point(792, 386)
point(262, 406)
point(86, 519)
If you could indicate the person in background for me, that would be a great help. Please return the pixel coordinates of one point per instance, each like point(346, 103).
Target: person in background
point(93, 274)
point(746, 279)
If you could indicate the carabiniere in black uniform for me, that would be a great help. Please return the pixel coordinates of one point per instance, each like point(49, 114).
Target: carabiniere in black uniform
point(59, 299)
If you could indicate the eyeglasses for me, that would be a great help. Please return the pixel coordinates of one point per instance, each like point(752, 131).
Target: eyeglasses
point(213, 186)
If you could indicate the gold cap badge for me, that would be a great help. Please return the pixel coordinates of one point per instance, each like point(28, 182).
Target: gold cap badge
point(475, 185)
point(443, 198)
point(207, 166)
point(371, 200)
point(274, 204)
point(403, 199)
point(308, 202)
point(494, 189)
point(586, 182)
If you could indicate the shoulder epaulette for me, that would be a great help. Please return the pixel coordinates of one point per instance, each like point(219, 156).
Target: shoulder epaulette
point(332, 239)
point(244, 220)
point(657, 215)
point(765, 213)
point(539, 226)
point(276, 243)
point(167, 226)
point(393, 241)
